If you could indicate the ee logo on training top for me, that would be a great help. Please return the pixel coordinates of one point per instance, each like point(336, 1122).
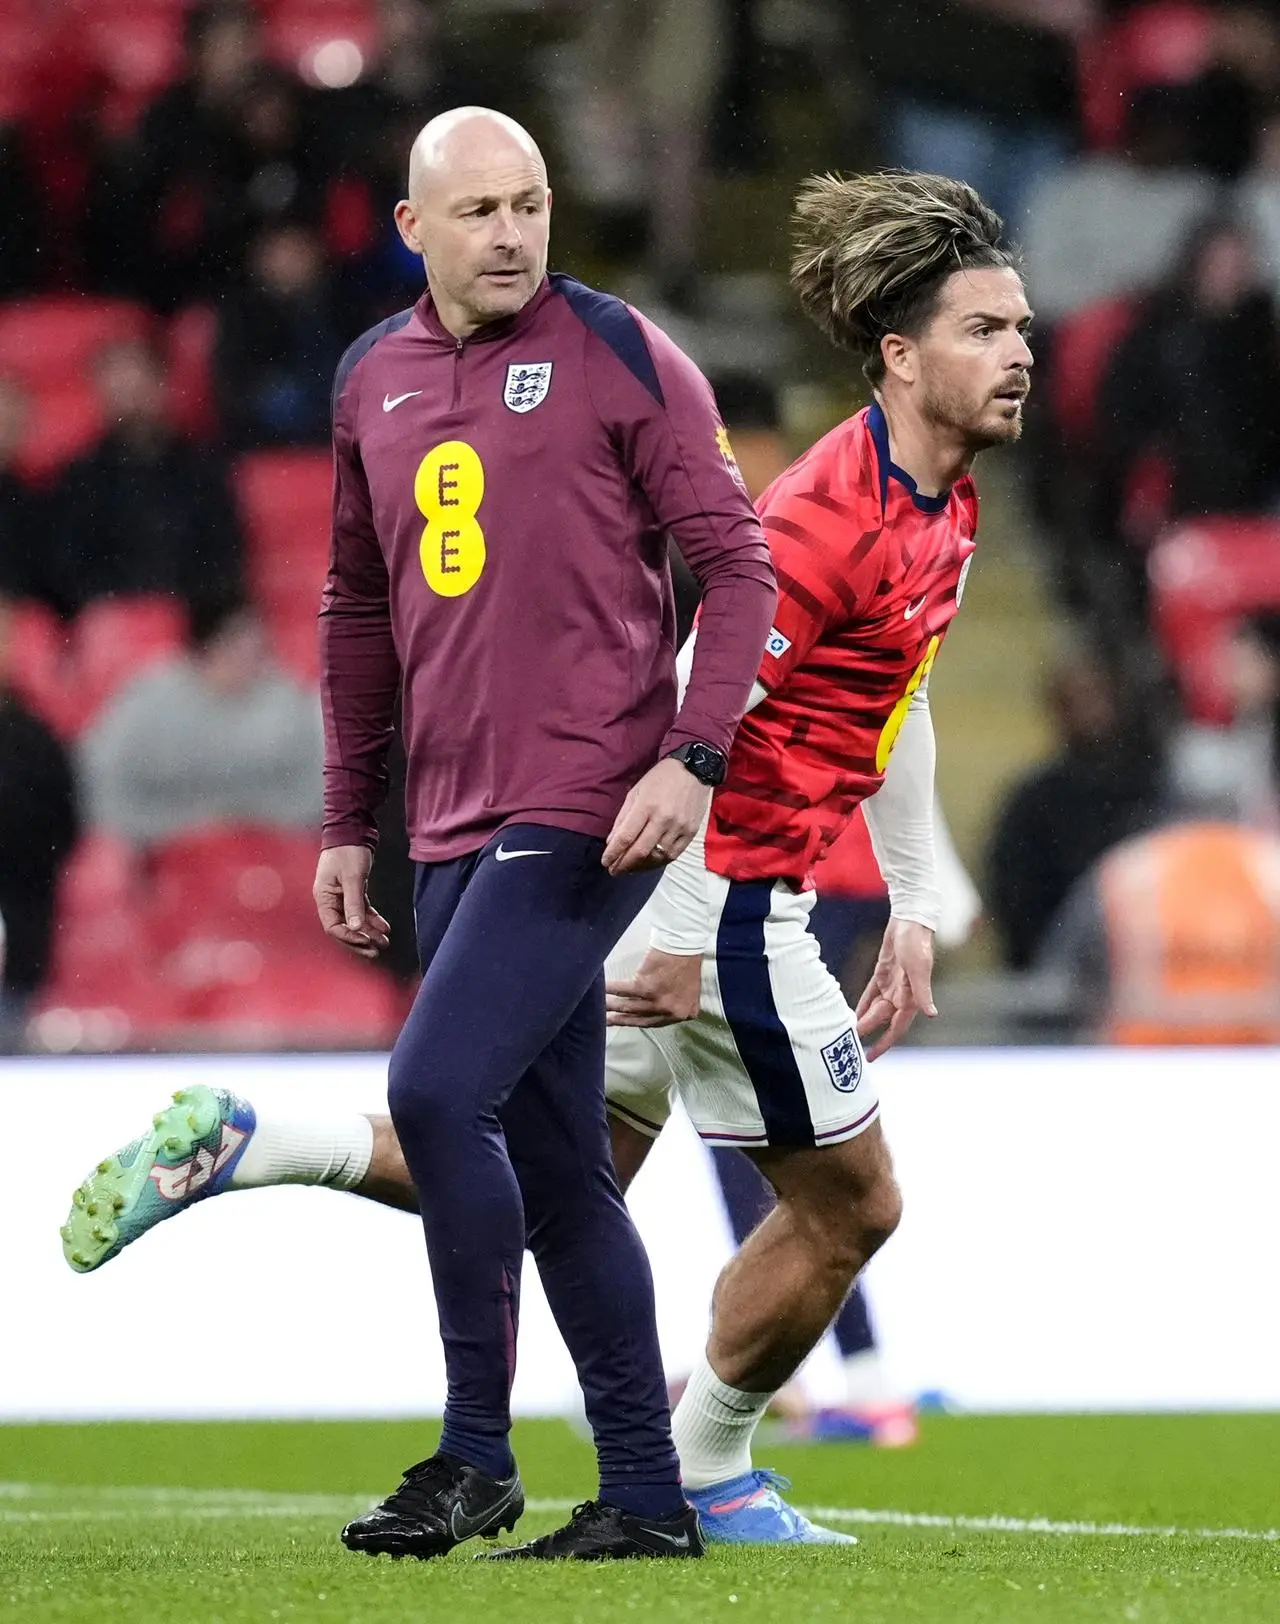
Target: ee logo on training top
point(448, 488)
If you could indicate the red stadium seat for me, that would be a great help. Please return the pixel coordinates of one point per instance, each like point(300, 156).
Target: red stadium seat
point(314, 37)
point(285, 499)
point(48, 342)
point(37, 664)
point(102, 992)
point(65, 422)
point(1205, 575)
point(114, 639)
point(189, 343)
point(137, 44)
point(52, 338)
point(1083, 345)
point(22, 39)
point(235, 883)
point(1160, 43)
point(290, 1004)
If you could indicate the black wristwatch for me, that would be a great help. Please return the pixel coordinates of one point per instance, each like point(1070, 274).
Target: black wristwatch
point(708, 766)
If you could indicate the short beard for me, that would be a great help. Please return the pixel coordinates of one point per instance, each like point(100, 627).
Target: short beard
point(953, 415)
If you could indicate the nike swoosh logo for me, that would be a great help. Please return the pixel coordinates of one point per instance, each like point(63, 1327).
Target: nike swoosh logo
point(463, 1527)
point(680, 1541)
point(390, 402)
point(913, 609)
point(505, 856)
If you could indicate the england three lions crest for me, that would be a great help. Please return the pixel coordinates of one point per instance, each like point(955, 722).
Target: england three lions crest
point(527, 385)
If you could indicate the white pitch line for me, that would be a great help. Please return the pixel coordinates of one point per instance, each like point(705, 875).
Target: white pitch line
point(120, 1504)
point(1031, 1525)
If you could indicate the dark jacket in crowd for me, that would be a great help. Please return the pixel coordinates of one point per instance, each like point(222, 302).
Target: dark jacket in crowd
point(1055, 825)
point(1203, 389)
point(38, 827)
point(130, 521)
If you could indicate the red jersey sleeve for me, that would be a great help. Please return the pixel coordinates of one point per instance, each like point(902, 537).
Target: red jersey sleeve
point(821, 558)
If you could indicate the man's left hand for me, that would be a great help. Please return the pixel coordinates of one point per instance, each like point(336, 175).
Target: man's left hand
point(667, 988)
point(659, 818)
point(900, 986)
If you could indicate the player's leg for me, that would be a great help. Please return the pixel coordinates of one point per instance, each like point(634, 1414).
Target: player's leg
point(773, 1065)
point(598, 1284)
point(206, 1142)
point(836, 1207)
point(527, 938)
point(210, 1142)
point(773, 1303)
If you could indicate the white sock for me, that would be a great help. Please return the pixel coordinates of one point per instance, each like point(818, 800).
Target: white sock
point(306, 1150)
point(712, 1427)
point(864, 1380)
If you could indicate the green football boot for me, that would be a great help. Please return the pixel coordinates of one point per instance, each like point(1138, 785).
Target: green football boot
point(190, 1153)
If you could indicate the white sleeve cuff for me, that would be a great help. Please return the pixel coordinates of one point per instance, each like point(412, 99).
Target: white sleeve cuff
point(680, 911)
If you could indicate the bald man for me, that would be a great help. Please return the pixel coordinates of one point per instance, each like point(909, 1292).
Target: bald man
point(512, 455)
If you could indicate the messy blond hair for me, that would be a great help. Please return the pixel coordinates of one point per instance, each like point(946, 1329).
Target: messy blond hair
point(872, 252)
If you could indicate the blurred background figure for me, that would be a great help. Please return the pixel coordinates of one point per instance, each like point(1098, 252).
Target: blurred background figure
point(1101, 786)
point(1111, 222)
point(143, 511)
point(975, 89)
point(281, 334)
point(26, 569)
point(1174, 938)
point(637, 127)
point(1235, 767)
point(39, 822)
point(162, 211)
point(1187, 409)
point(218, 734)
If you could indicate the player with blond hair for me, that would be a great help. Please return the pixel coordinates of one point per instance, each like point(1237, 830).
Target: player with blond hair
point(718, 994)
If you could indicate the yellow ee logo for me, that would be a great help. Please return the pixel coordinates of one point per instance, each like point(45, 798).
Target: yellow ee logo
point(726, 451)
point(891, 729)
point(448, 488)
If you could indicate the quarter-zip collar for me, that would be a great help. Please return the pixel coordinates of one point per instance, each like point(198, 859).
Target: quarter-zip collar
point(504, 327)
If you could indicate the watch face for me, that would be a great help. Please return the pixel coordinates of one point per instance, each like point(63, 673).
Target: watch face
point(706, 764)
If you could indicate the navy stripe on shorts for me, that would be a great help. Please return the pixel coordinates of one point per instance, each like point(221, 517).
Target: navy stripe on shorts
point(747, 995)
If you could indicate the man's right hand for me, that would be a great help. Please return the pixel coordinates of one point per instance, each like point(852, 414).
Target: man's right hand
point(342, 900)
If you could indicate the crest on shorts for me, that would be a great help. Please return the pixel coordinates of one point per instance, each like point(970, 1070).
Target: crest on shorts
point(527, 385)
point(844, 1061)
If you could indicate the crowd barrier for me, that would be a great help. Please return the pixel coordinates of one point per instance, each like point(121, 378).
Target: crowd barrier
point(1084, 1229)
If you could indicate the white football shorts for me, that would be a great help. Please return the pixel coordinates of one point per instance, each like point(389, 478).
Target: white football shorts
point(772, 1058)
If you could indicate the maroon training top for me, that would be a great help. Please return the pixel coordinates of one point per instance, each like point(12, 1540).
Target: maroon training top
point(500, 514)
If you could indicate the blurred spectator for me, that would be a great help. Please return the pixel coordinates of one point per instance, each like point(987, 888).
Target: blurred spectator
point(1196, 381)
point(1258, 197)
point(164, 222)
point(1102, 785)
point(276, 170)
point(411, 76)
point(38, 827)
point(1174, 937)
point(143, 511)
point(1111, 223)
point(219, 734)
point(25, 539)
point(20, 218)
point(1235, 768)
point(981, 90)
point(280, 337)
point(636, 129)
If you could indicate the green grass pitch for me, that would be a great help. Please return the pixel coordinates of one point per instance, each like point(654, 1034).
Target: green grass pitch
point(224, 1523)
